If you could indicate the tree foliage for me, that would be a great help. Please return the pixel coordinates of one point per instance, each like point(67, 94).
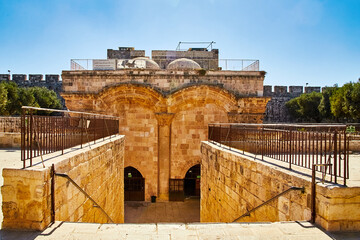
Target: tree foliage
point(12, 98)
point(345, 102)
point(341, 104)
point(325, 105)
point(305, 107)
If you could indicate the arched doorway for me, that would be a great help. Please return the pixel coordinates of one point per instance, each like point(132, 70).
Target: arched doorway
point(192, 182)
point(134, 185)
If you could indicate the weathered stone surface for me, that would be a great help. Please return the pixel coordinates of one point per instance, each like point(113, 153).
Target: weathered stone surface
point(99, 171)
point(256, 181)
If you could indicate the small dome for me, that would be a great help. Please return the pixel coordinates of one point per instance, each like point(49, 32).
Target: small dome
point(149, 63)
point(183, 63)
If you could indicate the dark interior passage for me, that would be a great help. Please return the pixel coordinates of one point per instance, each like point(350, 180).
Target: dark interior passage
point(134, 185)
point(192, 182)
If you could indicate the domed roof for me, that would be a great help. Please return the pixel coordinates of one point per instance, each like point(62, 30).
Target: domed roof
point(149, 63)
point(183, 63)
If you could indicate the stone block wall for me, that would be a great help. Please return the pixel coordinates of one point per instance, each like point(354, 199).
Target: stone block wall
point(188, 129)
point(241, 83)
point(10, 136)
point(276, 110)
point(125, 53)
point(10, 140)
point(99, 171)
point(232, 184)
point(10, 124)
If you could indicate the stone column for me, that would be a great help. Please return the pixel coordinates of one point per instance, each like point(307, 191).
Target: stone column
point(164, 153)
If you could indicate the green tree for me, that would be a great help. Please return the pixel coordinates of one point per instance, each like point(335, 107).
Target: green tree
point(12, 97)
point(3, 99)
point(46, 98)
point(325, 105)
point(305, 107)
point(345, 102)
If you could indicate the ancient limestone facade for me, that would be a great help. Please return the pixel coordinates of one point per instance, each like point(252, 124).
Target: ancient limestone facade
point(165, 113)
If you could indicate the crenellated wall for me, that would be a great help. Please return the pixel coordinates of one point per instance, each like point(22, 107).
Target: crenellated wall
point(51, 81)
point(276, 110)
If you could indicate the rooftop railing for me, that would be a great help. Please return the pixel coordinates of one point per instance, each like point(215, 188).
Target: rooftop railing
point(213, 64)
point(42, 135)
point(326, 146)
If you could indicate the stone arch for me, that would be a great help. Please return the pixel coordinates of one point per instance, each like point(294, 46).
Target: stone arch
point(192, 181)
point(134, 184)
point(200, 95)
point(134, 166)
point(188, 166)
point(131, 93)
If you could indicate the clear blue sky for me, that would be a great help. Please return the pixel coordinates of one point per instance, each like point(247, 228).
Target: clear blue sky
point(296, 41)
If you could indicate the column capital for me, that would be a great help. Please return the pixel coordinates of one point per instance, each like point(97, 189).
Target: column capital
point(164, 119)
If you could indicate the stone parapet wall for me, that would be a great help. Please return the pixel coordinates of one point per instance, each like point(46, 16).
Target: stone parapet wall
point(232, 184)
point(10, 140)
point(10, 124)
point(99, 171)
point(241, 83)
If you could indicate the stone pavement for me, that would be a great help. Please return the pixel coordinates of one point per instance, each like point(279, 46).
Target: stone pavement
point(281, 230)
point(163, 212)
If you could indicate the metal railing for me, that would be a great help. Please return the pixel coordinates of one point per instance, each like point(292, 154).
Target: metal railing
point(63, 175)
point(214, 64)
point(300, 145)
point(42, 135)
point(247, 214)
point(10, 124)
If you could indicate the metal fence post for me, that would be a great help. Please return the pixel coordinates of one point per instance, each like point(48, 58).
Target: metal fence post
point(290, 157)
point(335, 156)
point(313, 197)
point(81, 129)
point(52, 175)
point(31, 135)
point(23, 135)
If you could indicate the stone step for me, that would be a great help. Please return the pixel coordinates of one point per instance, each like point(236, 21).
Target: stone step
point(94, 231)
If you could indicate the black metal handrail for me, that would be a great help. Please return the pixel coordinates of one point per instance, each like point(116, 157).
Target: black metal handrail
point(42, 135)
point(302, 189)
point(63, 175)
point(295, 144)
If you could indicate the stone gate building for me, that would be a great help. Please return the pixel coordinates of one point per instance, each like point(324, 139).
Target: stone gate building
point(165, 110)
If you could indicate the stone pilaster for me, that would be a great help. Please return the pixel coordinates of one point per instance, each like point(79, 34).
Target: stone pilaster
point(164, 151)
